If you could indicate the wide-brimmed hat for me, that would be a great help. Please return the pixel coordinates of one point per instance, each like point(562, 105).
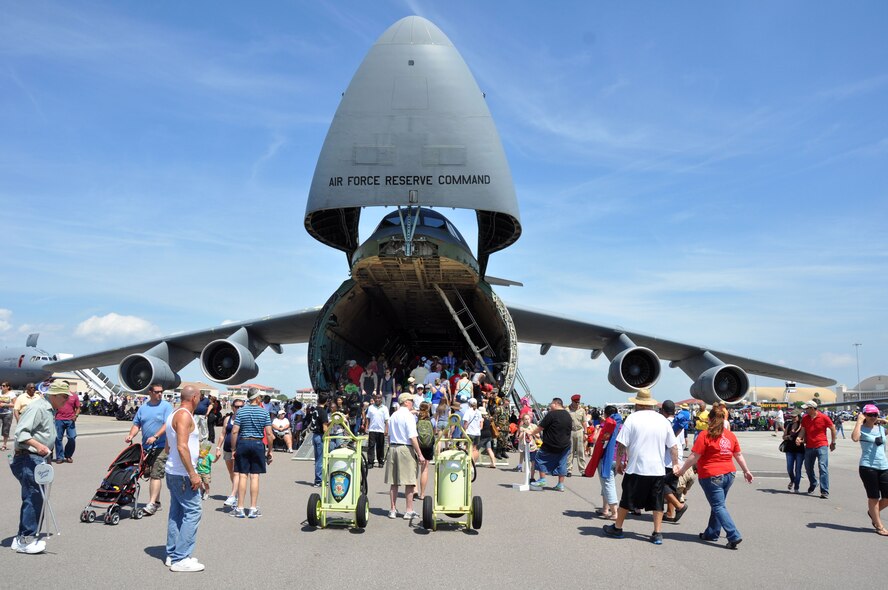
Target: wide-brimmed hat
point(406, 397)
point(59, 387)
point(643, 398)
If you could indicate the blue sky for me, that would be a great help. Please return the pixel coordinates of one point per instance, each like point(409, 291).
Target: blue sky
point(707, 172)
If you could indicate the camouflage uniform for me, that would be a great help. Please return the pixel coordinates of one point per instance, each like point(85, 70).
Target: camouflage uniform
point(501, 419)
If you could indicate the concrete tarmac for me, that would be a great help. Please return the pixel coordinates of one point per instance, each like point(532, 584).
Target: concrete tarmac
point(536, 537)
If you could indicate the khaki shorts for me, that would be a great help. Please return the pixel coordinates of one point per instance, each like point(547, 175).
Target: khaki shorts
point(401, 466)
point(158, 469)
point(206, 478)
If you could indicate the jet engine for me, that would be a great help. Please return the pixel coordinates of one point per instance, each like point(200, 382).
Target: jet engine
point(225, 361)
point(233, 359)
point(714, 380)
point(631, 367)
point(726, 383)
point(138, 371)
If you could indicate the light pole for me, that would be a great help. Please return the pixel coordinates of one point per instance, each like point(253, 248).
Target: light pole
point(857, 346)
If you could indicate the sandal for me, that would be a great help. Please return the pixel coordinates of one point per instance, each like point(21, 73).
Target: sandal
point(883, 532)
point(875, 526)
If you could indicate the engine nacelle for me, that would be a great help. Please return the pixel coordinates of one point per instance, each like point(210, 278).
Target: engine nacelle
point(138, 371)
point(226, 361)
point(724, 383)
point(633, 369)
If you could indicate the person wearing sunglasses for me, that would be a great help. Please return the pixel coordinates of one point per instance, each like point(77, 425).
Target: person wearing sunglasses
point(869, 431)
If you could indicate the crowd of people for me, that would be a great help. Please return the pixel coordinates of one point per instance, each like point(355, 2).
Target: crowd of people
point(401, 419)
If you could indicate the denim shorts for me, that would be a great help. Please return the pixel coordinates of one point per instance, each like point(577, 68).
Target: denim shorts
point(552, 463)
point(250, 457)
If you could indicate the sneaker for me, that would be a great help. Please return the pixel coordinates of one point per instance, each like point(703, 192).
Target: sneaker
point(733, 544)
point(540, 483)
point(317, 485)
point(559, 487)
point(393, 514)
point(657, 538)
point(238, 513)
point(150, 508)
point(812, 487)
point(15, 544)
point(35, 546)
point(169, 561)
point(254, 513)
point(824, 495)
point(189, 564)
point(204, 495)
point(789, 487)
point(230, 502)
point(611, 530)
point(409, 514)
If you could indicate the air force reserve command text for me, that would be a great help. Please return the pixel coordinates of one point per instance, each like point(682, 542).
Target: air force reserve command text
point(429, 180)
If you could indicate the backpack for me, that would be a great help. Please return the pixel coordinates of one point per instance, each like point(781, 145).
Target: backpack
point(425, 433)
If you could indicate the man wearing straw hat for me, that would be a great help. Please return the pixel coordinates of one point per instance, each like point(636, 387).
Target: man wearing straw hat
point(641, 454)
point(33, 435)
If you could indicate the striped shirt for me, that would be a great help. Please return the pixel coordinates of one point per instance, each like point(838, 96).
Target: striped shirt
point(252, 421)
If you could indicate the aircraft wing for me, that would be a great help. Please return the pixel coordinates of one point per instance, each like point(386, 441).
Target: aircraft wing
point(536, 327)
point(285, 328)
point(881, 403)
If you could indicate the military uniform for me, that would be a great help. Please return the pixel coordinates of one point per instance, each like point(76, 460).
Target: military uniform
point(501, 419)
point(577, 438)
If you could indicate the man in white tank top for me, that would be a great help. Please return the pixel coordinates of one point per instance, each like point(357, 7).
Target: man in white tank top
point(184, 484)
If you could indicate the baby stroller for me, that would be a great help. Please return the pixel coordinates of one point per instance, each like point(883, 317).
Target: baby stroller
point(119, 488)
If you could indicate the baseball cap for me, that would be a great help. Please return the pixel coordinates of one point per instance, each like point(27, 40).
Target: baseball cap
point(870, 409)
point(473, 401)
point(411, 380)
point(811, 404)
point(575, 397)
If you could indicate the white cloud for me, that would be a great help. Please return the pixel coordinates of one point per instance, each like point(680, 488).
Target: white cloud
point(115, 326)
point(5, 316)
point(836, 360)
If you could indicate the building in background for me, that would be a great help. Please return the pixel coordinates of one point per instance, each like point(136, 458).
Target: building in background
point(241, 390)
point(875, 387)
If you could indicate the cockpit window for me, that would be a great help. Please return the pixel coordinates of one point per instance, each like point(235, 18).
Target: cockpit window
point(433, 222)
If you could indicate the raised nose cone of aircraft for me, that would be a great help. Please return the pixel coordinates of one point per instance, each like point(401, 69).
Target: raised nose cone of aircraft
point(412, 128)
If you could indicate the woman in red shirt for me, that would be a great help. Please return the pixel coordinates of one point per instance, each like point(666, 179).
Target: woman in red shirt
point(714, 456)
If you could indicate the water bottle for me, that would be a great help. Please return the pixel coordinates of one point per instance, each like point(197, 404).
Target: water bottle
point(9, 458)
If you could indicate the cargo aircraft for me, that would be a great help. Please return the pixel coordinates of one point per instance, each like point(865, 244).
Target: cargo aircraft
point(413, 132)
point(25, 364)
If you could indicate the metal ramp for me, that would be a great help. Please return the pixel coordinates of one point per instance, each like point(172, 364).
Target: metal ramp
point(100, 383)
point(466, 312)
point(516, 396)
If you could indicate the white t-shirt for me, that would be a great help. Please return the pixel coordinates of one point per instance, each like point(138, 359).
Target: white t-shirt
point(402, 427)
point(647, 435)
point(377, 416)
point(472, 421)
point(280, 424)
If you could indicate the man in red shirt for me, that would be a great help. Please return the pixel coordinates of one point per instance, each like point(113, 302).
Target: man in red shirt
point(354, 372)
point(65, 420)
point(813, 434)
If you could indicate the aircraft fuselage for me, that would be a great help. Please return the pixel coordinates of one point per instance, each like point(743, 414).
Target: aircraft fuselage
point(392, 305)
